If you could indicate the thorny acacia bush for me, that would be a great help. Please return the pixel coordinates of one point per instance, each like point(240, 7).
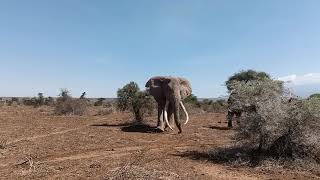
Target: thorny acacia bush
point(132, 99)
point(279, 126)
point(67, 105)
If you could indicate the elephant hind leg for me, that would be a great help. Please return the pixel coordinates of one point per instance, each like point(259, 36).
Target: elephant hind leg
point(230, 117)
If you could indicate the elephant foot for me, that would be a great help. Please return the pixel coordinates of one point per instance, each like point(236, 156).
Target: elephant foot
point(159, 129)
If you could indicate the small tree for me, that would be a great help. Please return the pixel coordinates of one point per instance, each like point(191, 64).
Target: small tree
point(40, 99)
point(131, 98)
point(64, 94)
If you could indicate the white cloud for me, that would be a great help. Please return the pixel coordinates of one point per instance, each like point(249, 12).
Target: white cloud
point(306, 79)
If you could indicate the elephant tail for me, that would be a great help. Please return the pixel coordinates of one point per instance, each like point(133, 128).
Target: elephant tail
point(185, 111)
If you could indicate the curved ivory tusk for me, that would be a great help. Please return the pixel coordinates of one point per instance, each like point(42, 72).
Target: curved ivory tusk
point(185, 111)
point(166, 115)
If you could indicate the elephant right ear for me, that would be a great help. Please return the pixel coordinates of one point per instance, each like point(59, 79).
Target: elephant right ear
point(166, 81)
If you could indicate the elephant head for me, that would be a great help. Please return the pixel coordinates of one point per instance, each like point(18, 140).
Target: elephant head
point(169, 92)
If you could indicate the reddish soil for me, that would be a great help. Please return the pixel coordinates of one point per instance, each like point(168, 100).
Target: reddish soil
point(37, 145)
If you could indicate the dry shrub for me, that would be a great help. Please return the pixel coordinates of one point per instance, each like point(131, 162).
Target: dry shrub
point(105, 111)
point(209, 106)
point(108, 108)
point(66, 105)
point(71, 107)
point(192, 108)
point(206, 106)
point(279, 126)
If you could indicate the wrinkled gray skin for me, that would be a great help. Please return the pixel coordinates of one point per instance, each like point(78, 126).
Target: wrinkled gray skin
point(234, 108)
point(170, 91)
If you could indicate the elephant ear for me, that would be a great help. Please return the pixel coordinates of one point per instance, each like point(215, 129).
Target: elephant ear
point(185, 88)
point(156, 81)
point(166, 80)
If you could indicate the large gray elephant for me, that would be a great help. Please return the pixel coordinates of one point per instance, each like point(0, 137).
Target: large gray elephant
point(169, 92)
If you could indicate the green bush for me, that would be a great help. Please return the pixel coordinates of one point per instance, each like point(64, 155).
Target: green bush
point(191, 99)
point(132, 99)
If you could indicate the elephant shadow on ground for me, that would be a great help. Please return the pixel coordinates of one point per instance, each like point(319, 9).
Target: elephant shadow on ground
point(141, 128)
point(131, 127)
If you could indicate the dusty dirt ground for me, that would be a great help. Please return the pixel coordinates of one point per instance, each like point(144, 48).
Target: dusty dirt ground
point(37, 145)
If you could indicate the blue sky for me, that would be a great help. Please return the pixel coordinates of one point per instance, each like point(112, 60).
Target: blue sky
point(99, 46)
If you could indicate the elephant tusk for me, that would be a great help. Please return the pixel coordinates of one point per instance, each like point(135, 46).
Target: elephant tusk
point(166, 115)
point(185, 111)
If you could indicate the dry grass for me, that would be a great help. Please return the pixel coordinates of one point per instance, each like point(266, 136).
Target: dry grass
point(134, 169)
point(106, 110)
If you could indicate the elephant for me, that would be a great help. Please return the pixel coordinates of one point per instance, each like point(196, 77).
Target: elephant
point(169, 92)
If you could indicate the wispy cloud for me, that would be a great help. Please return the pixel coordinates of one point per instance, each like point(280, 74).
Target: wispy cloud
point(306, 79)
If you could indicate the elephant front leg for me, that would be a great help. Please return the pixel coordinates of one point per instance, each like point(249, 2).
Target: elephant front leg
point(170, 113)
point(176, 112)
point(160, 124)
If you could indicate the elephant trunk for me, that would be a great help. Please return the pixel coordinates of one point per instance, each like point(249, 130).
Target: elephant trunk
point(185, 111)
point(166, 114)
